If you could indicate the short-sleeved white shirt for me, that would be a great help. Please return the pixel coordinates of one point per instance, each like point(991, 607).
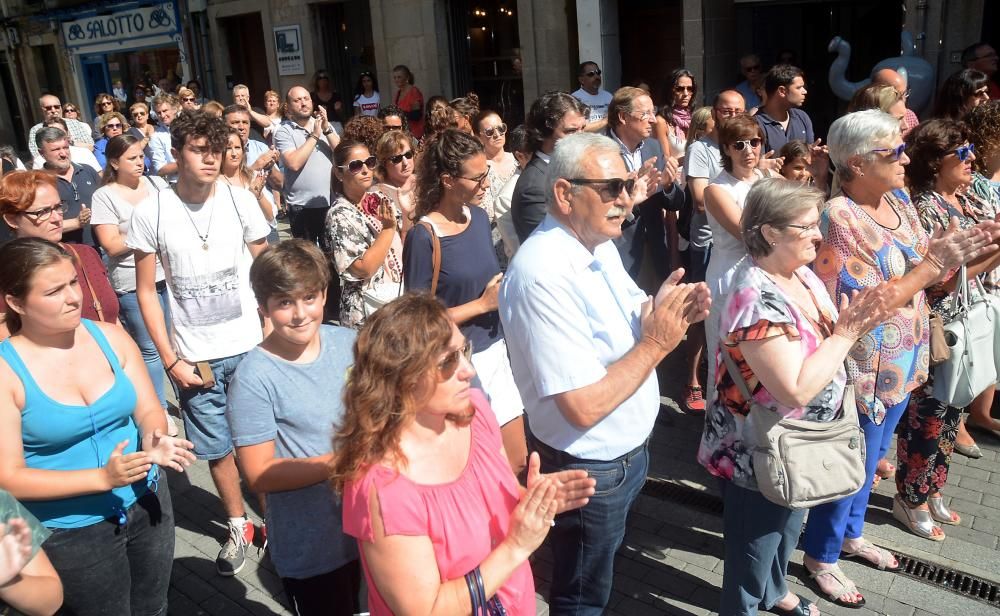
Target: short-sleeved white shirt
point(108, 208)
point(213, 310)
point(598, 103)
point(567, 315)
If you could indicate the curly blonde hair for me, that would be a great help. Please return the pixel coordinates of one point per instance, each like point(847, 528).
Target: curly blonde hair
point(397, 350)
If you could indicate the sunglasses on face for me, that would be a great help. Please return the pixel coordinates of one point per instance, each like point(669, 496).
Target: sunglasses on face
point(613, 186)
point(138, 114)
point(355, 165)
point(449, 365)
point(498, 131)
point(895, 152)
point(43, 214)
point(594, 73)
point(51, 107)
point(115, 125)
point(105, 103)
point(188, 99)
point(683, 88)
point(70, 110)
point(965, 151)
point(728, 112)
point(743, 144)
point(398, 158)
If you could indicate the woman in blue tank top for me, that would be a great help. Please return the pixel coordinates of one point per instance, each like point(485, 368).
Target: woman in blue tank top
point(82, 435)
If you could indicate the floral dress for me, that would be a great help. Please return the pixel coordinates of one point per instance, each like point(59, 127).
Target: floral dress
point(351, 232)
point(857, 252)
point(757, 309)
point(927, 435)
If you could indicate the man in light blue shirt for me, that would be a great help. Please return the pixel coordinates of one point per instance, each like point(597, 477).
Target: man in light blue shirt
point(584, 341)
point(164, 165)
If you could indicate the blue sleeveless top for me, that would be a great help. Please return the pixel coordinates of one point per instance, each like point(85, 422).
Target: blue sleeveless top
point(63, 437)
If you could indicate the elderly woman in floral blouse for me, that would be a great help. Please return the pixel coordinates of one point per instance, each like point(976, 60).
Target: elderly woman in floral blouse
point(782, 333)
point(871, 235)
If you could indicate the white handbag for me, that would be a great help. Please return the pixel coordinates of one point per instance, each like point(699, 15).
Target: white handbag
point(971, 335)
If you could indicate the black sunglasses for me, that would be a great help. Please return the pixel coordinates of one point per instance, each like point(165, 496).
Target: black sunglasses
point(499, 130)
point(592, 73)
point(614, 185)
point(398, 158)
point(70, 110)
point(355, 165)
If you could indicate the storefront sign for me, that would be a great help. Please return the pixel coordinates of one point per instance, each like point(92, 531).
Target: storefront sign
point(288, 50)
point(123, 29)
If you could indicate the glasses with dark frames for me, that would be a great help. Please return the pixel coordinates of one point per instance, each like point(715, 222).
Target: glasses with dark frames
point(43, 214)
point(115, 125)
point(355, 165)
point(594, 73)
point(498, 131)
point(51, 107)
point(895, 153)
point(398, 158)
point(478, 180)
point(613, 186)
point(449, 365)
point(804, 230)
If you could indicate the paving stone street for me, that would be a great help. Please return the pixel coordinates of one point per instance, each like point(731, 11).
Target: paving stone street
point(671, 561)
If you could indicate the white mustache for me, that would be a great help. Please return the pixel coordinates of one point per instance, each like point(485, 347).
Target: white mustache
point(616, 212)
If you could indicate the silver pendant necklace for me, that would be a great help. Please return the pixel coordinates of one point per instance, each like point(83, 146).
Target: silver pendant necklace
point(202, 237)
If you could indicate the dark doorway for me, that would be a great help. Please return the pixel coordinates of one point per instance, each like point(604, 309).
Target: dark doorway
point(651, 43)
point(486, 55)
point(244, 35)
point(18, 132)
point(871, 26)
point(345, 28)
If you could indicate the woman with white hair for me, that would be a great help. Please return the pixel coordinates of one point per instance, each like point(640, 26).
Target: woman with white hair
point(781, 338)
point(872, 235)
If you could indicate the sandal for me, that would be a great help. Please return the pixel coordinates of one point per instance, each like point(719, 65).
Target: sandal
point(940, 513)
point(918, 521)
point(846, 586)
point(884, 556)
point(802, 609)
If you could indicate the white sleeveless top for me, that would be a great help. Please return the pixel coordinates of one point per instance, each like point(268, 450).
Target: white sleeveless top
point(727, 251)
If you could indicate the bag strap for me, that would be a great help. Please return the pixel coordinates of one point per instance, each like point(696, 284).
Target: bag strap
point(736, 375)
point(93, 294)
point(435, 254)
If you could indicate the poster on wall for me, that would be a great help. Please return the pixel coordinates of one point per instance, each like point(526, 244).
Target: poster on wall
point(288, 50)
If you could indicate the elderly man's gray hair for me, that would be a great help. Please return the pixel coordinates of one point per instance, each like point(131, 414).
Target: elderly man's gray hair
point(569, 156)
point(776, 202)
point(48, 134)
point(857, 134)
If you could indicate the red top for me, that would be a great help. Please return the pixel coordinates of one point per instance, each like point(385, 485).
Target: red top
point(464, 519)
point(88, 262)
point(406, 103)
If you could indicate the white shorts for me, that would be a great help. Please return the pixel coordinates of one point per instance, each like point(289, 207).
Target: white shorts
point(493, 367)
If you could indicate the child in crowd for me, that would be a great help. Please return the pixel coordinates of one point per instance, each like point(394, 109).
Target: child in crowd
point(797, 161)
point(284, 404)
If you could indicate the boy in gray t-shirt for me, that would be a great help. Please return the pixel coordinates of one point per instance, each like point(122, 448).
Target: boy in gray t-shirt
point(284, 405)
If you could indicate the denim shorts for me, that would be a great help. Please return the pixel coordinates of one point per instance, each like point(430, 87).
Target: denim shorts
point(204, 411)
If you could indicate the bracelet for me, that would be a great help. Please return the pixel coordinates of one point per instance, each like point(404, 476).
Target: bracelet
point(313, 135)
point(933, 260)
point(328, 132)
point(171, 366)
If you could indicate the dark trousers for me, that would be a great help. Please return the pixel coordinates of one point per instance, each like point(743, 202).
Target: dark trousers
point(328, 594)
point(584, 541)
point(924, 447)
point(309, 224)
point(112, 570)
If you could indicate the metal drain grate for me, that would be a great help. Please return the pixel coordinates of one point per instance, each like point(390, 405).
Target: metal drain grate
point(960, 583)
point(963, 584)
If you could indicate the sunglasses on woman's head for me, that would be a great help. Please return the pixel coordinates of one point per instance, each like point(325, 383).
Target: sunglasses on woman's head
point(499, 131)
point(743, 144)
point(355, 165)
point(398, 158)
point(447, 366)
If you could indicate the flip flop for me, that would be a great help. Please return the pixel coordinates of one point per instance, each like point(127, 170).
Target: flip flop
point(846, 586)
point(884, 556)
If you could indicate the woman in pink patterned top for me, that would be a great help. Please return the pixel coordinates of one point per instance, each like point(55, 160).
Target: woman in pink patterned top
point(428, 491)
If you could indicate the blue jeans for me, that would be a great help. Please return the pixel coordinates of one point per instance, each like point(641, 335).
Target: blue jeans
point(112, 570)
point(584, 541)
point(830, 523)
point(759, 538)
point(131, 319)
point(204, 409)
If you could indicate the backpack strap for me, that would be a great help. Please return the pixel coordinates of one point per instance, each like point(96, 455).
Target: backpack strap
point(435, 254)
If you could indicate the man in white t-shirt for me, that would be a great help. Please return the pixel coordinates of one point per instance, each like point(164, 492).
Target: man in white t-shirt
point(592, 95)
point(206, 234)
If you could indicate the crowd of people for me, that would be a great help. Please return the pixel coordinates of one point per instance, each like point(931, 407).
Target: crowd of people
point(453, 358)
